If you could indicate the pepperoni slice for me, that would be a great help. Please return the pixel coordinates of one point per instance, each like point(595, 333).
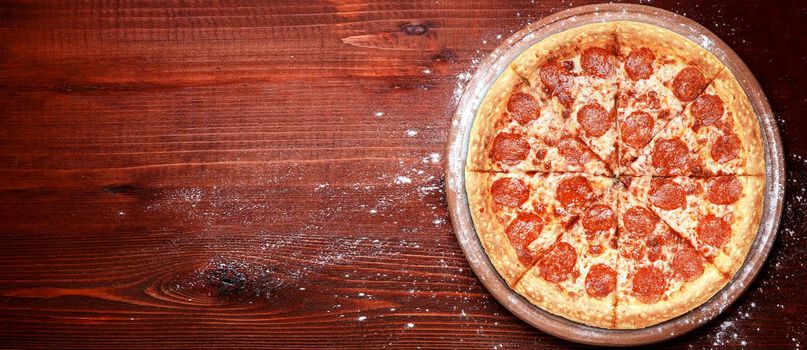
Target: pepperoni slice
point(594, 119)
point(558, 82)
point(509, 192)
point(599, 217)
point(688, 83)
point(670, 157)
point(706, 109)
point(687, 264)
point(640, 221)
point(637, 129)
point(667, 194)
point(600, 281)
point(523, 107)
point(649, 284)
point(574, 191)
point(524, 229)
point(558, 262)
point(726, 148)
point(596, 61)
point(713, 231)
point(639, 64)
point(510, 148)
point(573, 150)
point(724, 190)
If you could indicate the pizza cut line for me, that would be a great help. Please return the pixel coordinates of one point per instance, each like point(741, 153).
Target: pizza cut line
point(615, 175)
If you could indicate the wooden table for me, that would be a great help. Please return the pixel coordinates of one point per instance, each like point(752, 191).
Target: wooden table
point(235, 174)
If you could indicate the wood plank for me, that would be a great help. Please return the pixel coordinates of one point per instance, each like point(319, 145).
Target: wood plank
point(209, 174)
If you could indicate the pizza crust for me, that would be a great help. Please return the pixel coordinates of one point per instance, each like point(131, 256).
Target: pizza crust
point(748, 214)
point(746, 124)
point(633, 314)
point(583, 309)
point(664, 42)
point(487, 118)
point(490, 231)
point(563, 45)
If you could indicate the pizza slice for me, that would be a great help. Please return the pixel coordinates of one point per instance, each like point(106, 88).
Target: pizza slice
point(719, 215)
point(717, 134)
point(518, 129)
point(520, 215)
point(503, 210)
point(659, 275)
point(729, 142)
point(658, 79)
point(576, 277)
point(579, 79)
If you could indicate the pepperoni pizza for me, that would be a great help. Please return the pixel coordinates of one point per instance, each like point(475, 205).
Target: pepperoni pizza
point(615, 174)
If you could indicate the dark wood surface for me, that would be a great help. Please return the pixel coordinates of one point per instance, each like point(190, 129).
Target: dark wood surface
point(242, 174)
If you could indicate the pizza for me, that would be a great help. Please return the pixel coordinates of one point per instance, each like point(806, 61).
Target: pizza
point(615, 174)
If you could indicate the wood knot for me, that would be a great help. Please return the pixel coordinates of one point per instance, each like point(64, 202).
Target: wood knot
point(409, 36)
point(415, 29)
point(445, 55)
point(227, 280)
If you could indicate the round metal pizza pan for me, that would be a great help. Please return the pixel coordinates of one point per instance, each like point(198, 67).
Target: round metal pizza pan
point(475, 91)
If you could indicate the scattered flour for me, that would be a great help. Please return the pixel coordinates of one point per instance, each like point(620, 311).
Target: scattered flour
point(402, 180)
point(705, 42)
point(459, 88)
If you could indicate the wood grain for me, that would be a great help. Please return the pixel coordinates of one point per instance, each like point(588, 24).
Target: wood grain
point(213, 174)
